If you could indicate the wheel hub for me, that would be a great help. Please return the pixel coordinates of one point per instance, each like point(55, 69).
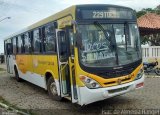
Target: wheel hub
point(53, 88)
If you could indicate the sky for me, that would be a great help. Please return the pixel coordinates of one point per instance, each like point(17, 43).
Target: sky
point(26, 12)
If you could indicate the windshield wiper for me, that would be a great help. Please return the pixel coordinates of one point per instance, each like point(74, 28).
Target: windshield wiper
point(109, 40)
point(97, 24)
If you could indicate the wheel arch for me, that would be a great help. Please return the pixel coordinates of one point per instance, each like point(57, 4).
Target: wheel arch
point(15, 67)
point(49, 74)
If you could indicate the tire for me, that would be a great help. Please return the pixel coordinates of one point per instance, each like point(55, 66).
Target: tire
point(157, 71)
point(52, 90)
point(18, 79)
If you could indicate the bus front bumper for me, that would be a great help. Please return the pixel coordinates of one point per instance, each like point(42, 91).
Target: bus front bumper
point(88, 96)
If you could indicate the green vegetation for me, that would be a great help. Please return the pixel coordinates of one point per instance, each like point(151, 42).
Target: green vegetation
point(1, 69)
point(2, 100)
point(153, 39)
point(13, 107)
point(148, 10)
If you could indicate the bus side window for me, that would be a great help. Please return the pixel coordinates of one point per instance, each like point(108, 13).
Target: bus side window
point(14, 46)
point(9, 47)
point(31, 48)
point(37, 41)
point(27, 43)
point(19, 44)
point(22, 44)
point(49, 38)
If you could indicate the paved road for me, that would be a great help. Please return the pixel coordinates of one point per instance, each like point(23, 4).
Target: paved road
point(28, 96)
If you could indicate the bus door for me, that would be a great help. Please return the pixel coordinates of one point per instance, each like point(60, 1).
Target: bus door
point(66, 63)
point(9, 57)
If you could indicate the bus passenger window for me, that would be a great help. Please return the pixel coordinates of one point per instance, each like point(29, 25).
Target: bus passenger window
point(19, 44)
point(27, 43)
point(22, 45)
point(49, 38)
point(36, 41)
point(14, 46)
point(9, 47)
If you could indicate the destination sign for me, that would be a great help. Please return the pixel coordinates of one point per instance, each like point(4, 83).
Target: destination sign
point(109, 13)
point(104, 14)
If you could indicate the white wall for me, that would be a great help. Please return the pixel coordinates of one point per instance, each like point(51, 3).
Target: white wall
point(149, 53)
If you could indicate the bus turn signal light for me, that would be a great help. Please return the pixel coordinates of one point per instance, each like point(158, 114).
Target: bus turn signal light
point(140, 85)
point(90, 83)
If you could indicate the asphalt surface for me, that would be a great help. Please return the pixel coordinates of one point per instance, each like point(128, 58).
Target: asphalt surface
point(28, 96)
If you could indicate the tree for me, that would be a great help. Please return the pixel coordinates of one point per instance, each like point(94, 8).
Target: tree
point(158, 6)
point(157, 9)
point(145, 40)
point(155, 39)
point(148, 10)
point(140, 13)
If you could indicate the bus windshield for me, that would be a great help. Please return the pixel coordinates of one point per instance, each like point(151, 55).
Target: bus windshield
point(109, 45)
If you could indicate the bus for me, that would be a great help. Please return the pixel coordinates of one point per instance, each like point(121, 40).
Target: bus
point(85, 53)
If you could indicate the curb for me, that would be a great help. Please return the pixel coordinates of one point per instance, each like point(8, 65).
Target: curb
point(13, 109)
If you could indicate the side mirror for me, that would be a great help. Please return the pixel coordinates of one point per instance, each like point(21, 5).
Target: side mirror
point(9, 48)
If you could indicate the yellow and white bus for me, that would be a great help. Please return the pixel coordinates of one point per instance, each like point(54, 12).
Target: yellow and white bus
point(84, 53)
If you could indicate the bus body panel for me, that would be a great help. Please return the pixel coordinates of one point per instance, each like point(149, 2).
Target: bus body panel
point(88, 96)
point(33, 68)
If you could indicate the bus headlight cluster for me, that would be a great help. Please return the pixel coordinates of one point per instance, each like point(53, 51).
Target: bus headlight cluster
point(90, 83)
point(140, 74)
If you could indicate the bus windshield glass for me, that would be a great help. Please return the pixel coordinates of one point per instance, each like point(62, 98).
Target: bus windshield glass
point(109, 45)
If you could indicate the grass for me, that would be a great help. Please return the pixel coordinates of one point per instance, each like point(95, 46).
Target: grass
point(1, 69)
point(2, 100)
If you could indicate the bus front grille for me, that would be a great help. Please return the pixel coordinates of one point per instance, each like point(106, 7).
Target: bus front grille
point(118, 90)
point(114, 74)
point(124, 80)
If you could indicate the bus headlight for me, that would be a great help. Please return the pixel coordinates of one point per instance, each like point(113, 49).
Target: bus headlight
point(90, 83)
point(140, 74)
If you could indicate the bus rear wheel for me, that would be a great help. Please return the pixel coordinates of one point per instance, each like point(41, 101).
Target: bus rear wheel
point(17, 75)
point(52, 90)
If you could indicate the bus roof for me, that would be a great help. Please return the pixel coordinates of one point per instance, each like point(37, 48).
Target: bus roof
point(68, 11)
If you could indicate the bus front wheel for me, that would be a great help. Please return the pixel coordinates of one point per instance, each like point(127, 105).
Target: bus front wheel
point(52, 90)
